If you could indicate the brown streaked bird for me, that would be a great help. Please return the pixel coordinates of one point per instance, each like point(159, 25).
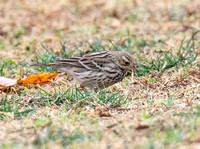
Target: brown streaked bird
point(98, 69)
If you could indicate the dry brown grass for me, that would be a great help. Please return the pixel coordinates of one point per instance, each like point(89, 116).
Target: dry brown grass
point(152, 116)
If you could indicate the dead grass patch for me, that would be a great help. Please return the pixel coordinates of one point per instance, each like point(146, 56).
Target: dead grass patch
point(157, 110)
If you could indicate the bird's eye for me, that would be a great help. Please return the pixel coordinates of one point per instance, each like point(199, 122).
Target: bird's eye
point(127, 63)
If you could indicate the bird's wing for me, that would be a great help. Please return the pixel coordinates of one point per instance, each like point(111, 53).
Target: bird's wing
point(92, 61)
point(69, 62)
point(97, 60)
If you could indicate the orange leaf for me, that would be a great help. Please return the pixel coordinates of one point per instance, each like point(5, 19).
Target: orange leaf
point(41, 79)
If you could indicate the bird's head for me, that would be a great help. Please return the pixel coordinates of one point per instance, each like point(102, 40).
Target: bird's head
point(126, 61)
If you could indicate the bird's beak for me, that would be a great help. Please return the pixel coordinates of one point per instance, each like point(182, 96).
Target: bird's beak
point(135, 67)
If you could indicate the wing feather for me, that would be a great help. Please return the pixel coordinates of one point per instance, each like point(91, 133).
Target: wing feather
point(95, 61)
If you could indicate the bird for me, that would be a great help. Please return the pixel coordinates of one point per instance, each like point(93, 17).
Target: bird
point(96, 70)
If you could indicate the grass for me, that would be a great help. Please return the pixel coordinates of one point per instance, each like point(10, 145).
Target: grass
point(7, 65)
point(157, 108)
point(49, 56)
point(74, 99)
point(79, 98)
point(13, 109)
point(185, 56)
point(60, 136)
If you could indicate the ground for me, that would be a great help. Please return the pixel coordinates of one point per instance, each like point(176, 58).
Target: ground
point(156, 107)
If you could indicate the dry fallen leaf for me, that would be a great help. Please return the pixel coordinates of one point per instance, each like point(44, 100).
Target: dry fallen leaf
point(140, 127)
point(6, 82)
point(103, 112)
point(40, 79)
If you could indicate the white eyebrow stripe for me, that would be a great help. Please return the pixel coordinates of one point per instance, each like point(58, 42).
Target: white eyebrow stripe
point(96, 65)
point(124, 57)
point(84, 64)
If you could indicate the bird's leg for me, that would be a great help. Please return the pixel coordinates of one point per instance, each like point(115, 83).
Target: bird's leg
point(82, 88)
point(95, 89)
